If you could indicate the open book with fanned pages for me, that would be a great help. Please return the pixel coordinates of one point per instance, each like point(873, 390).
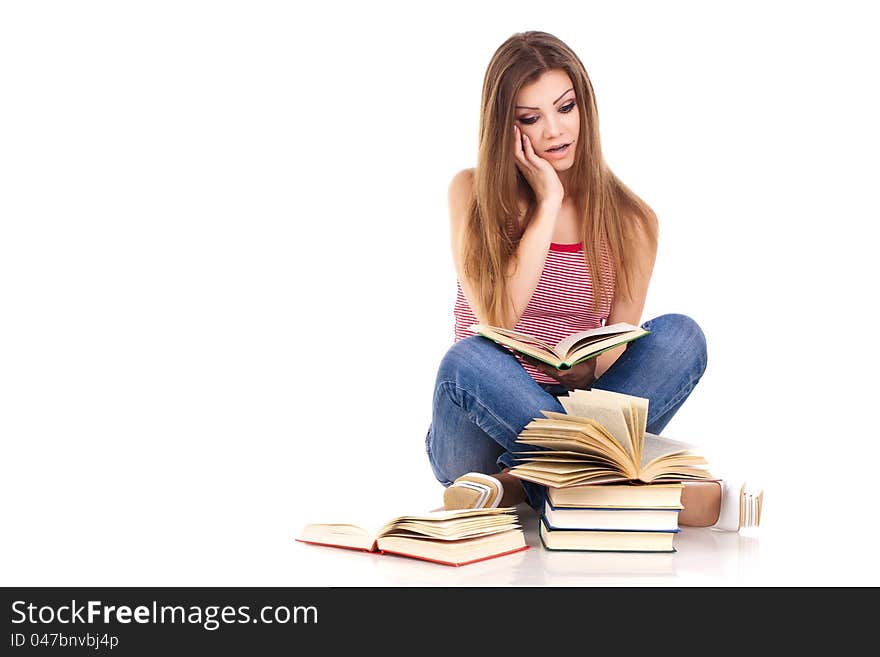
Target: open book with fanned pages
point(569, 351)
point(601, 438)
point(452, 538)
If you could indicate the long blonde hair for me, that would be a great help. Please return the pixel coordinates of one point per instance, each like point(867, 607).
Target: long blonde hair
point(612, 215)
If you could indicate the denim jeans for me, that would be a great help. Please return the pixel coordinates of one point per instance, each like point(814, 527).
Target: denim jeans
point(483, 397)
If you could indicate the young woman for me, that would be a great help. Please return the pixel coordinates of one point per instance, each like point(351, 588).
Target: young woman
point(547, 240)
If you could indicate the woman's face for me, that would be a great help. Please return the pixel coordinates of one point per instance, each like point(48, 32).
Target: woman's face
point(546, 112)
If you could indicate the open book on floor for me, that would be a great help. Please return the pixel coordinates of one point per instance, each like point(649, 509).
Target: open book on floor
point(452, 538)
point(601, 438)
point(569, 351)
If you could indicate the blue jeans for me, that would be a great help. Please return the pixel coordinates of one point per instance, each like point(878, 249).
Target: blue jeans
point(483, 397)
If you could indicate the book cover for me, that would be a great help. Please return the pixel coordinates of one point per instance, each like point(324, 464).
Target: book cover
point(607, 518)
point(627, 495)
point(600, 540)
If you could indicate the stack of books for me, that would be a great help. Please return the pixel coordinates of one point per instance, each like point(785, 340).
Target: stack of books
point(611, 517)
point(610, 485)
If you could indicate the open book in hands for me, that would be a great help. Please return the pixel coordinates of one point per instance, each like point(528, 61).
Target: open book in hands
point(569, 351)
point(452, 538)
point(601, 438)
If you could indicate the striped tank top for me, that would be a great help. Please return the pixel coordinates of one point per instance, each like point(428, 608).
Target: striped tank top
point(560, 304)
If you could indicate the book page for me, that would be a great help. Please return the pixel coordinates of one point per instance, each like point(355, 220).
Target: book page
point(565, 345)
point(511, 338)
point(560, 468)
point(566, 444)
point(657, 446)
point(456, 552)
point(565, 456)
point(640, 406)
point(583, 351)
point(515, 335)
point(583, 436)
point(547, 478)
point(452, 524)
point(606, 409)
point(416, 530)
point(637, 416)
point(342, 535)
point(677, 467)
point(575, 425)
point(369, 510)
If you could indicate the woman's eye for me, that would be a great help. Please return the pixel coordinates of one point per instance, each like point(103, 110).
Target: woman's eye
point(564, 109)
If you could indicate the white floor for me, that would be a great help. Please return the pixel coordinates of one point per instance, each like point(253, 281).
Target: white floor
point(767, 556)
point(811, 535)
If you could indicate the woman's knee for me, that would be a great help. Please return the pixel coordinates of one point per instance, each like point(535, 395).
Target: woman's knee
point(682, 337)
point(454, 453)
point(436, 467)
point(469, 355)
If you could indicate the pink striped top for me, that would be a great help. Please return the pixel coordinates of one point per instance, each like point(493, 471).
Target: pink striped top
point(560, 304)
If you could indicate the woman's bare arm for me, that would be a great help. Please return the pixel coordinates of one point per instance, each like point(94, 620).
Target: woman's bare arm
point(630, 310)
point(525, 270)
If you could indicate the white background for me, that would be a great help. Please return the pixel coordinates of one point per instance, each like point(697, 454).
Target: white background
point(225, 278)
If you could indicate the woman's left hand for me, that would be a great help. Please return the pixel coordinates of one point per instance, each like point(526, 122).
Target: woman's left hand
point(581, 376)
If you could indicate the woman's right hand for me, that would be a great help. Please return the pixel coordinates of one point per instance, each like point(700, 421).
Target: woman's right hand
point(538, 172)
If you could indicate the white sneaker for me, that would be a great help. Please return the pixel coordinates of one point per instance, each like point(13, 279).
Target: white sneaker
point(740, 506)
point(473, 490)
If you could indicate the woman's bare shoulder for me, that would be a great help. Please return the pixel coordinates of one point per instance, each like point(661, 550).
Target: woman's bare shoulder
point(462, 183)
point(646, 223)
point(643, 231)
point(461, 190)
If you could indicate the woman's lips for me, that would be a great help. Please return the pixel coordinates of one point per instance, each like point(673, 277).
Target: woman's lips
point(559, 153)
